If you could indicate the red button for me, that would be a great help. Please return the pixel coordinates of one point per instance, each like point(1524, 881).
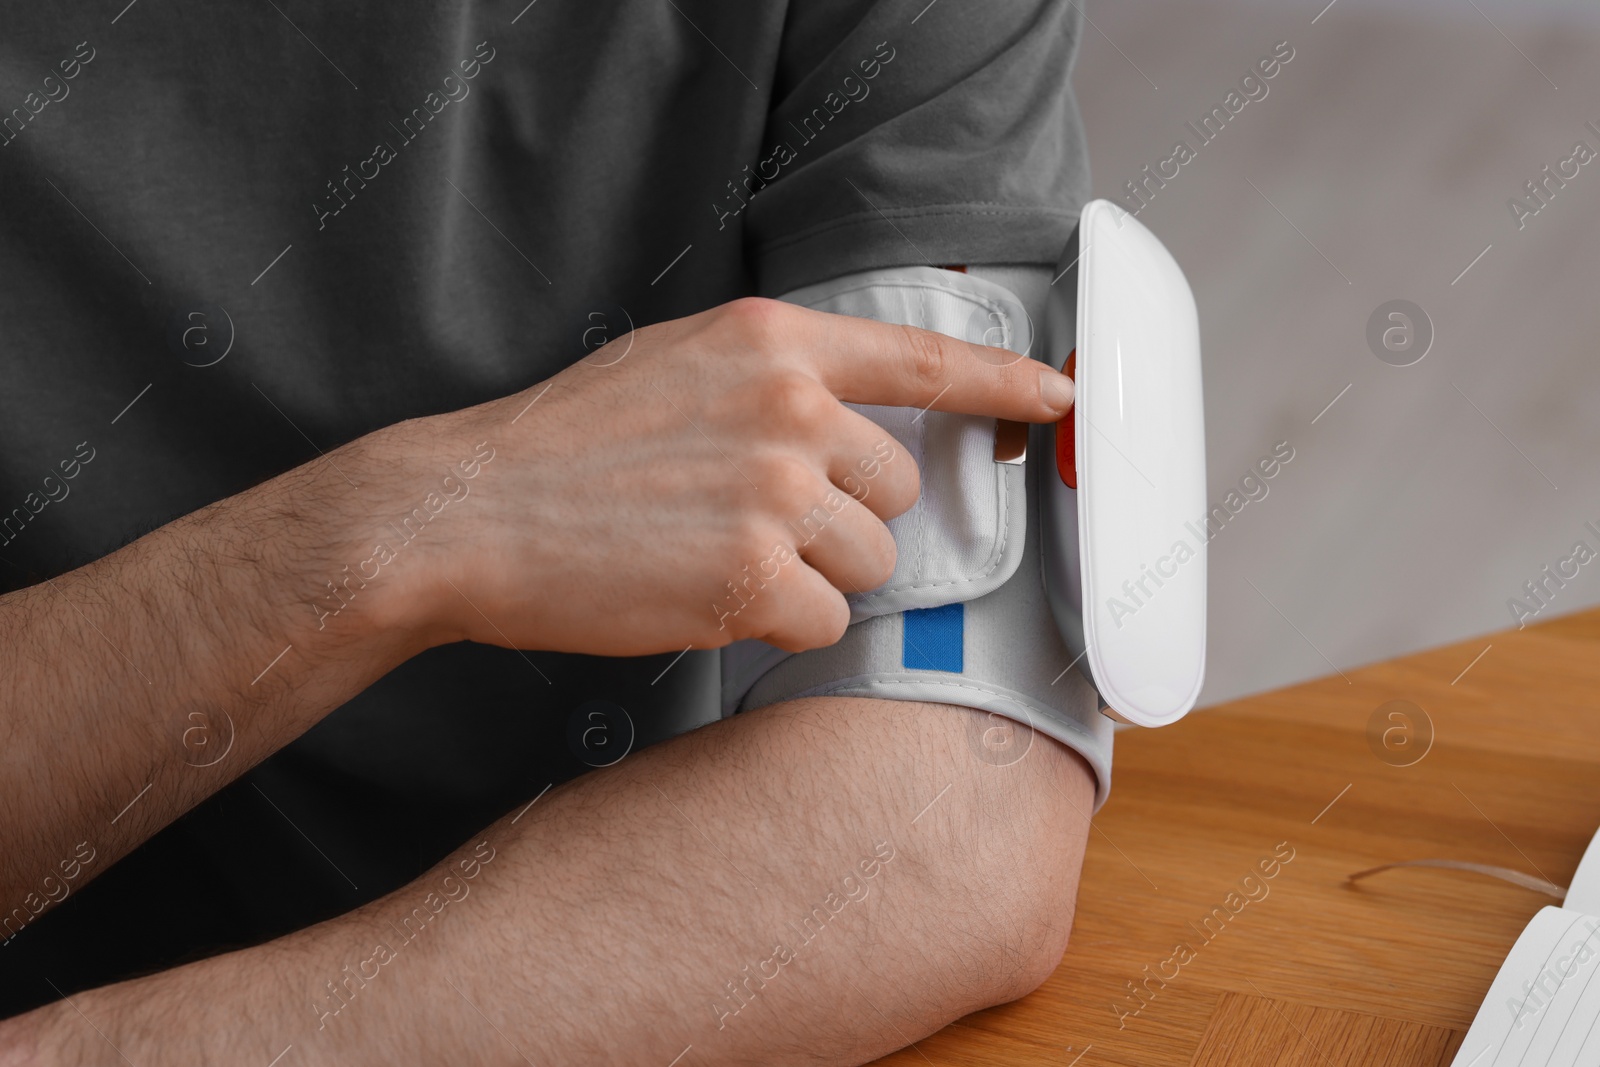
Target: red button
point(1066, 439)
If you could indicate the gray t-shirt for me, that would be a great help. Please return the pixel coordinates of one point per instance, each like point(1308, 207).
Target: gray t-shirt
point(235, 236)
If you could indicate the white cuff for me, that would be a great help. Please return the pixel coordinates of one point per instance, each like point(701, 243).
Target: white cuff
point(964, 620)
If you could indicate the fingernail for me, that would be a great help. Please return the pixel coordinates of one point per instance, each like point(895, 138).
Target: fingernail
point(1056, 389)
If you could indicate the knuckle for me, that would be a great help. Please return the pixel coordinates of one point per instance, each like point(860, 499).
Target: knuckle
point(832, 626)
point(894, 488)
point(905, 487)
point(787, 639)
point(794, 400)
point(756, 318)
point(928, 356)
point(887, 554)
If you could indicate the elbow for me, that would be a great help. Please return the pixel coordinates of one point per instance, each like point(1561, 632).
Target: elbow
point(1023, 861)
point(1040, 927)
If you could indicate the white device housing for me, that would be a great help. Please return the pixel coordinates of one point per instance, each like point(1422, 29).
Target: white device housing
point(1128, 600)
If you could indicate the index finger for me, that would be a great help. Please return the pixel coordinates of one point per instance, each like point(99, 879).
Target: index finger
point(868, 362)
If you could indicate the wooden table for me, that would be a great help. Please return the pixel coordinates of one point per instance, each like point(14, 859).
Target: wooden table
point(1318, 971)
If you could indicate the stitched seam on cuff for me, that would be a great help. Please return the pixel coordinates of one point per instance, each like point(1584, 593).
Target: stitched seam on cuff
point(1061, 718)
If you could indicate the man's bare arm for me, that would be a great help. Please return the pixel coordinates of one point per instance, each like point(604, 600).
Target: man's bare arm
point(139, 684)
point(604, 517)
point(817, 882)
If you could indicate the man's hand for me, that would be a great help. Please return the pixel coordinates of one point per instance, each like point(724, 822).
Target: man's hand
point(700, 481)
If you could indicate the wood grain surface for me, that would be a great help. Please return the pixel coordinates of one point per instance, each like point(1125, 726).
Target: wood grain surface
point(1498, 765)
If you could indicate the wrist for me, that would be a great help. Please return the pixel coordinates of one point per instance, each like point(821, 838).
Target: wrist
point(388, 558)
point(306, 538)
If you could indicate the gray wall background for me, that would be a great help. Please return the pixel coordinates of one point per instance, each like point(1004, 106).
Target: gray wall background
point(1378, 167)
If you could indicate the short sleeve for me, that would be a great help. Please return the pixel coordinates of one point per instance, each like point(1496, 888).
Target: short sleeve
point(913, 133)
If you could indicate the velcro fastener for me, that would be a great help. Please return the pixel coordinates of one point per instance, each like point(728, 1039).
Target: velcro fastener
point(963, 537)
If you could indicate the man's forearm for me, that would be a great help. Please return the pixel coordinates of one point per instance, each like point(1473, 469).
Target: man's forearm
point(137, 685)
point(854, 876)
point(204, 630)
